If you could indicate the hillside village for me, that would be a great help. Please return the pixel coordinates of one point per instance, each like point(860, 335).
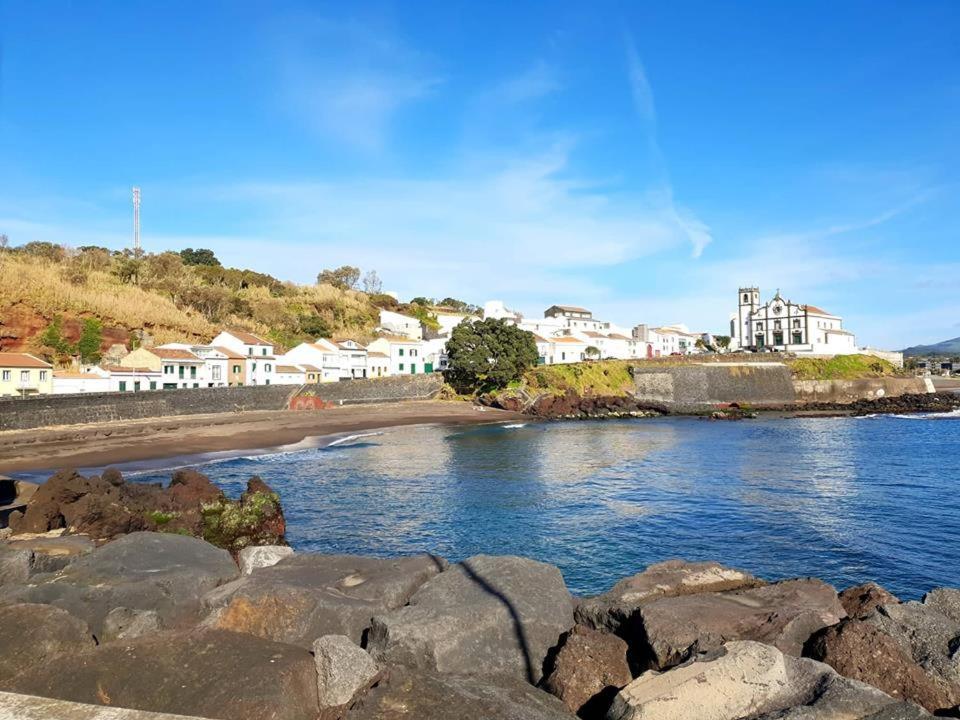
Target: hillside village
point(404, 344)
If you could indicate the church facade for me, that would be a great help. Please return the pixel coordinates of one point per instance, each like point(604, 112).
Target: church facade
point(783, 326)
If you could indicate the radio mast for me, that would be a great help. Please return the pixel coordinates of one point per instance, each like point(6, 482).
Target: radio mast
point(136, 222)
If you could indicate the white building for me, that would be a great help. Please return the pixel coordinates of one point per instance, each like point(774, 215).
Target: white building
point(322, 354)
point(783, 326)
point(135, 379)
point(69, 382)
point(353, 359)
point(395, 323)
point(378, 364)
point(405, 355)
point(214, 371)
point(290, 375)
point(261, 364)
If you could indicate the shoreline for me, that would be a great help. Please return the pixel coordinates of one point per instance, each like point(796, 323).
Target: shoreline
point(113, 443)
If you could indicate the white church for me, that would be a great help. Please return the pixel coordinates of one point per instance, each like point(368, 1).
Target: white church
point(783, 326)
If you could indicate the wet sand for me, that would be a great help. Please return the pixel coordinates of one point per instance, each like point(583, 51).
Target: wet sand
point(100, 444)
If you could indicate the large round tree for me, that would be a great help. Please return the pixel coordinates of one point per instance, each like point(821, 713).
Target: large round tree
point(488, 354)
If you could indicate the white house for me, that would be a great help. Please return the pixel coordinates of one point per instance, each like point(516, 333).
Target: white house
point(378, 364)
point(261, 364)
point(395, 323)
point(784, 326)
point(136, 379)
point(322, 354)
point(92, 380)
point(215, 371)
point(353, 359)
point(290, 375)
point(567, 349)
point(405, 355)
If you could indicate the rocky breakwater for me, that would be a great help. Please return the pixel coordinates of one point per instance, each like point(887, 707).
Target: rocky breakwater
point(571, 405)
point(171, 623)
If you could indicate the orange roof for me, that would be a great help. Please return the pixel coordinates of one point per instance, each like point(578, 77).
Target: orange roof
point(232, 354)
point(289, 369)
point(618, 336)
point(75, 374)
point(117, 370)
point(591, 333)
point(539, 338)
point(568, 308)
point(174, 354)
point(378, 355)
point(568, 340)
point(310, 368)
point(246, 337)
point(814, 309)
point(22, 360)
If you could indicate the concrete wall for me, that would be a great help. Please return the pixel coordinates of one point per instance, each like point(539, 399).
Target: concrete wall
point(692, 388)
point(47, 410)
point(388, 389)
point(847, 391)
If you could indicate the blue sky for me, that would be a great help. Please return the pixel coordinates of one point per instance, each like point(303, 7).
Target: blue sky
point(641, 159)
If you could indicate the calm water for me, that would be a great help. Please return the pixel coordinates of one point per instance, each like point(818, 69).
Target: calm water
point(843, 499)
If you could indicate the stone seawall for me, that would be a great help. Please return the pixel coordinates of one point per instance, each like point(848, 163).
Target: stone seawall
point(695, 388)
point(47, 410)
point(388, 389)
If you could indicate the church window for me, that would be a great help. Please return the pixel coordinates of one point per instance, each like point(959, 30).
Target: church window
point(796, 323)
point(797, 338)
point(746, 298)
point(759, 327)
point(776, 324)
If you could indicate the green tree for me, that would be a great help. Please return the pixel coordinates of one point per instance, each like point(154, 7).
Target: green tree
point(53, 338)
point(200, 256)
point(91, 338)
point(314, 326)
point(721, 341)
point(592, 352)
point(46, 250)
point(488, 354)
point(344, 277)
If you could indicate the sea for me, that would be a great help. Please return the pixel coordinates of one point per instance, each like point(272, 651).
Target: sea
point(843, 499)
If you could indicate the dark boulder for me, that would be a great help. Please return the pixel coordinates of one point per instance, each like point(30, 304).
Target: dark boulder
point(165, 573)
point(105, 507)
point(861, 600)
point(671, 578)
point(866, 653)
point(783, 614)
point(211, 674)
point(32, 635)
point(497, 615)
point(419, 695)
point(588, 670)
point(304, 597)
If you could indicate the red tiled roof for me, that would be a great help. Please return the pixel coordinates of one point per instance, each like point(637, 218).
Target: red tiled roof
point(398, 339)
point(814, 309)
point(310, 368)
point(289, 369)
point(378, 355)
point(568, 340)
point(22, 360)
point(591, 333)
point(618, 336)
point(118, 370)
point(568, 308)
point(246, 337)
point(232, 354)
point(174, 354)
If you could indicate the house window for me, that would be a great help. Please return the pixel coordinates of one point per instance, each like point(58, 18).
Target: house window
point(43, 375)
point(153, 384)
point(250, 351)
point(136, 386)
point(266, 367)
point(182, 369)
point(253, 367)
point(264, 352)
point(123, 386)
point(401, 352)
point(216, 372)
point(168, 369)
point(268, 381)
point(193, 372)
point(401, 367)
point(6, 376)
point(236, 369)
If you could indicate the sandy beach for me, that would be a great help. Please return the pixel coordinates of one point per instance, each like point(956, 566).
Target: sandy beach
point(100, 444)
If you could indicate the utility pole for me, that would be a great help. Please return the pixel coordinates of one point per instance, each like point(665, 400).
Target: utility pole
point(136, 222)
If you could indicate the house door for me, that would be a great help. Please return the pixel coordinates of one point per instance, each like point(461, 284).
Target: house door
point(428, 367)
point(413, 368)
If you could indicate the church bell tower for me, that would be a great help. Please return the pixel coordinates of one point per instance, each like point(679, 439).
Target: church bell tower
point(748, 300)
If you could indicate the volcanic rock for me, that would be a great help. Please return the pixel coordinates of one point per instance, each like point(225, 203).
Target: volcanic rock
point(165, 573)
point(16, 566)
point(746, 679)
point(946, 601)
point(32, 635)
point(486, 615)
point(588, 670)
point(343, 671)
point(672, 578)
point(210, 673)
point(784, 614)
point(866, 653)
point(260, 556)
point(304, 597)
point(125, 624)
point(861, 600)
point(420, 695)
point(105, 507)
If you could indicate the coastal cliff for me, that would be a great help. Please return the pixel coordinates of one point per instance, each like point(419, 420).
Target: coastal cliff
point(166, 622)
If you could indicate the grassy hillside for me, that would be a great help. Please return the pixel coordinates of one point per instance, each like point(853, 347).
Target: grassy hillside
point(841, 367)
point(164, 297)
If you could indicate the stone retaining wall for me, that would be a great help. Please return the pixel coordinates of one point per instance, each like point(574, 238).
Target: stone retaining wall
point(388, 389)
point(693, 388)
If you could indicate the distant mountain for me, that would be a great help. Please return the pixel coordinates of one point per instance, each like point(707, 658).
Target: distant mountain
point(947, 347)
